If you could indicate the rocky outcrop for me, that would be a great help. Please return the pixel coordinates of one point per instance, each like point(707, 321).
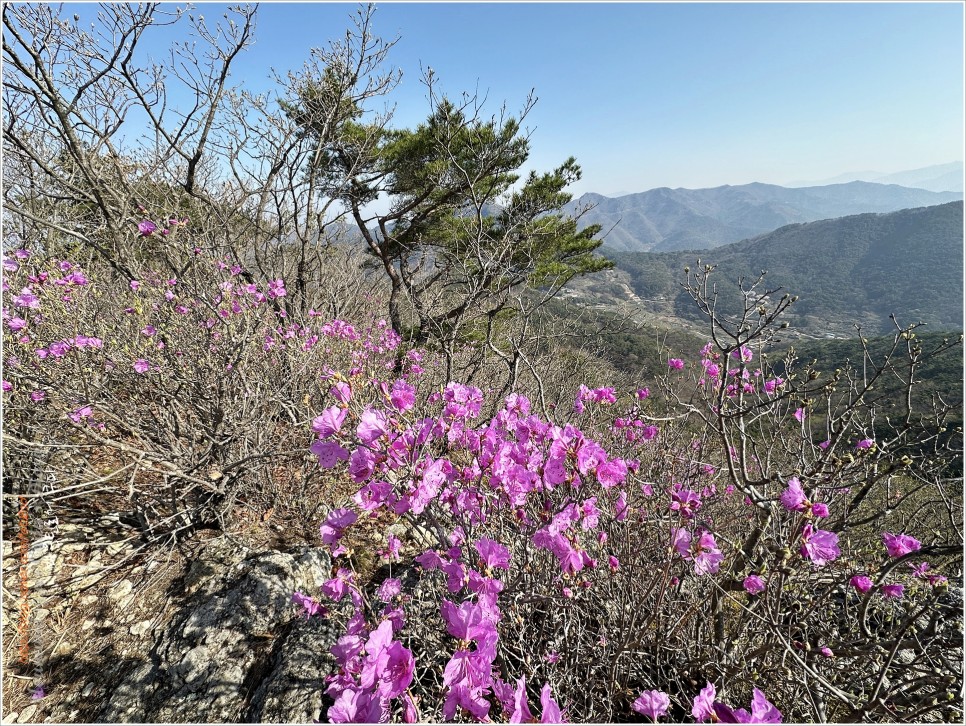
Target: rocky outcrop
point(238, 651)
point(219, 641)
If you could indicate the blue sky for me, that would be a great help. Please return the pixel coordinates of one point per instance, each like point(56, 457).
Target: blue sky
point(674, 94)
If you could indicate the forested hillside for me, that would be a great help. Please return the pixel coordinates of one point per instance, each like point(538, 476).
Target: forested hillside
point(853, 270)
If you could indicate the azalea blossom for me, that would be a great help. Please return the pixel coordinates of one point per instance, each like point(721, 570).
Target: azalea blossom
point(793, 498)
point(703, 707)
point(744, 354)
point(898, 545)
point(27, 299)
point(329, 453)
point(310, 605)
point(819, 545)
point(893, 591)
point(762, 711)
point(551, 711)
point(819, 510)
point(329, 422)
point(81, 413)
point(753, 585)
point(862, 583)
point(652, 703)
point(773, 385)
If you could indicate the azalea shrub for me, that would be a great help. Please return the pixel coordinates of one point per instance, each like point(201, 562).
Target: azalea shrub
point(739, 539)
point(724, 551)
point(174, 401)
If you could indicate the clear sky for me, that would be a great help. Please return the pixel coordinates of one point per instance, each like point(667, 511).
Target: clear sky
point(674, 94)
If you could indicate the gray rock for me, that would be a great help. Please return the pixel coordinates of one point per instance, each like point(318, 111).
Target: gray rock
point(237, 650)
point(27, 714)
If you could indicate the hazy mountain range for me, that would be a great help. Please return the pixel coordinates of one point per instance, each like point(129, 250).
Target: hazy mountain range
point(855, 269)
point(936, 178)
point(666, 219)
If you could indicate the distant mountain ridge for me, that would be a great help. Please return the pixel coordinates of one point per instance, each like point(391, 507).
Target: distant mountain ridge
point(665, 219)
point(856, 269)
point(935, 178)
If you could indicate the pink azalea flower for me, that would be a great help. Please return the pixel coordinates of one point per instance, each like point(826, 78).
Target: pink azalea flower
point(521, 711)
point(799, 414)
point(393, 545)
point(681, 541)
point(652, 703)
point(753, 585)
point(676, 363)
point(341, 391)
point(703, 707)
point(276, 288)
point(362, 463)
point(141, 366)
point(861, 583)
point(865, 444)
point(761, 711)
point(372, 425)
point(898, 545)
point(708, 558)
point(7, 386)
point(403, 396)
point(819, 510)
point(551, 711)
point(329, 453)
point(410, 710)
point(390, 588)
point(793, 498)
point(827, 652)
point(893, 592)
point(311, 606)
point(27, 299)
point(744, 354)
point(146, 227)
point(686, 502)
point(493, 554)
point(818, 545)
point(59, 348)
point(331, 530)
point(329, 422)
point(81, 413)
